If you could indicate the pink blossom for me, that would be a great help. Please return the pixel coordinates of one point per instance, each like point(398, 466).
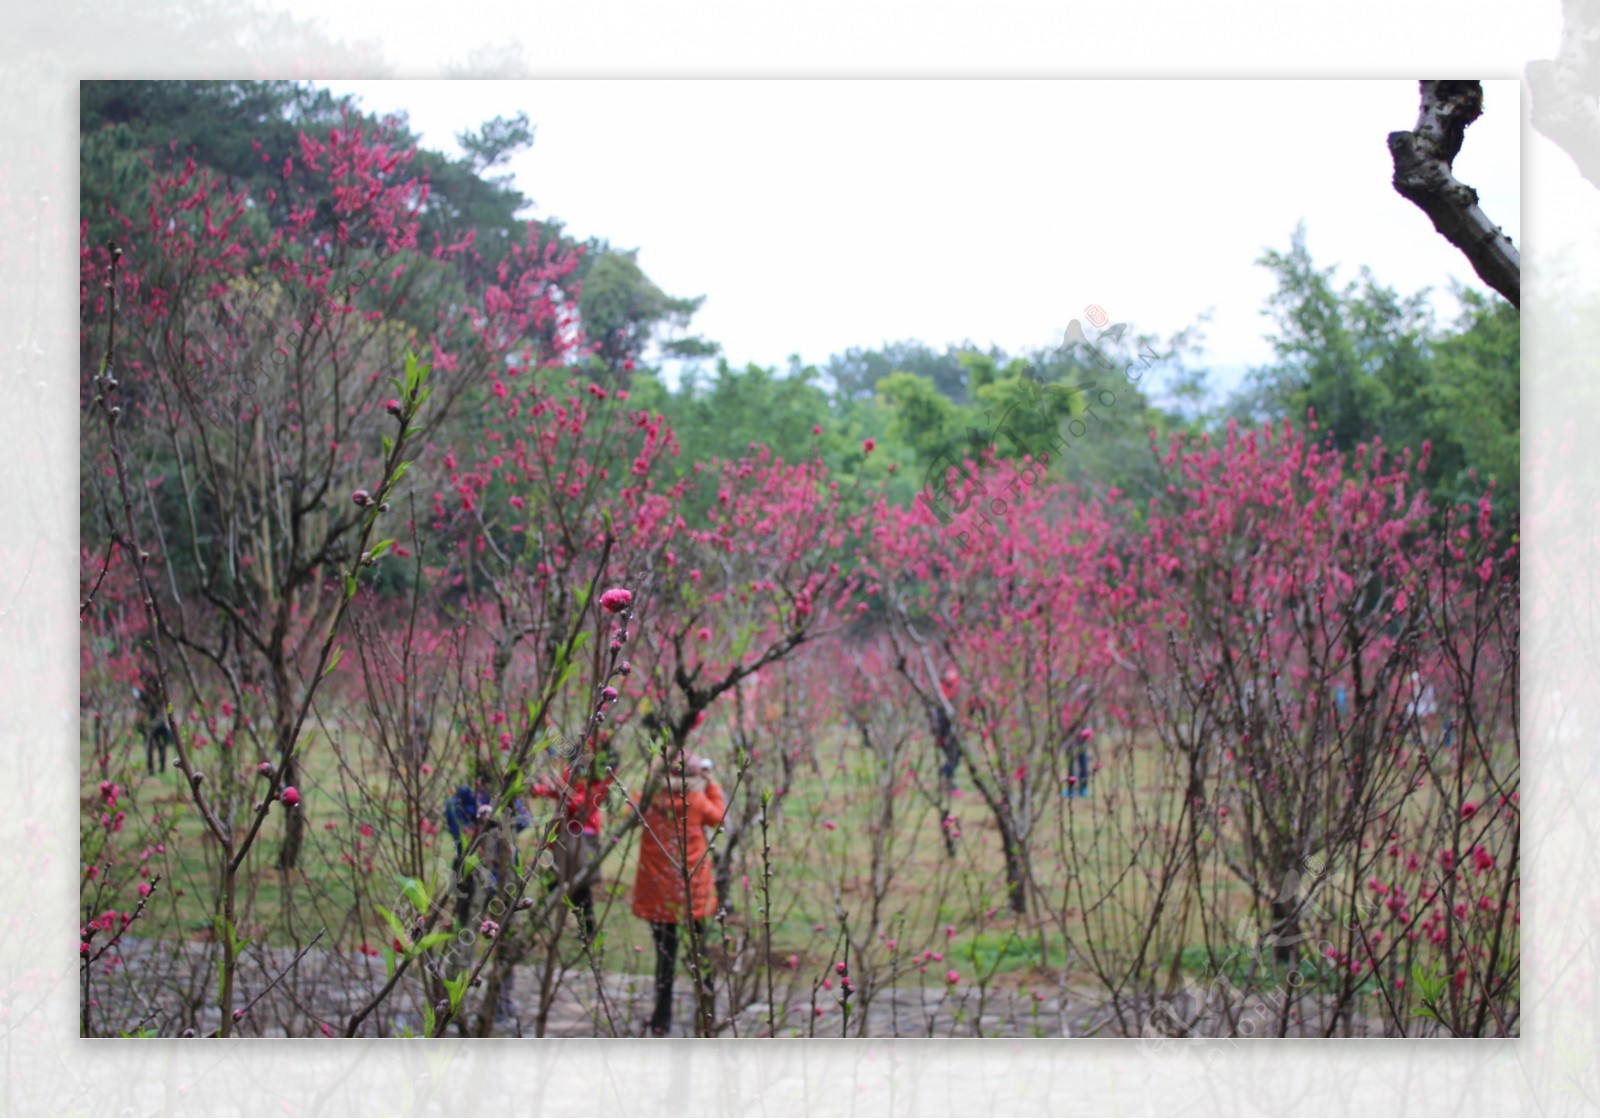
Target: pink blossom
point(616, 600)
point(952, 977)
point(290, 796)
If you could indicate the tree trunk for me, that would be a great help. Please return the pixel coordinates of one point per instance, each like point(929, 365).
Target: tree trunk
point(1016, 869)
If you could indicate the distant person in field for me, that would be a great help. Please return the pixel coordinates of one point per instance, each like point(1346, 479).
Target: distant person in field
point(580, 794)
point(944, 736)
point(1423, 708)
point(1078, 768)
point(157, 733)
point(675, 887)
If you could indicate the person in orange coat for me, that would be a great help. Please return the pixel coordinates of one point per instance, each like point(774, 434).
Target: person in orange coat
point(675, 885)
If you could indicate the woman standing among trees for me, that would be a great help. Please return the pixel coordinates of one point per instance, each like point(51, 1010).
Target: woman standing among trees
point(674, 886)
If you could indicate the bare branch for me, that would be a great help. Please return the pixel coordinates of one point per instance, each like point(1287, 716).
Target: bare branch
point(1423, 174)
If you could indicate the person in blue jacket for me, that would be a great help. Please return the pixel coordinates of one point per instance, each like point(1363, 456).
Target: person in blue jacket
point(461, 814)
point(1078, 768)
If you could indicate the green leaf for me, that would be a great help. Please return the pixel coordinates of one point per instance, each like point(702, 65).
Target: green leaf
point(394, 923)
point(399, 472)
point(427, 1019)
point(741, 643)
point(334, 658)
point(456, 988)
point(566, 674)
point(427, 942)
point(349, 586)
point(388, 961)
point(381, 547)
point(415, 891)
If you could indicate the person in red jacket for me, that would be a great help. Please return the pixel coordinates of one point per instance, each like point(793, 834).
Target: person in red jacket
point(580, 797)
point(675, 885)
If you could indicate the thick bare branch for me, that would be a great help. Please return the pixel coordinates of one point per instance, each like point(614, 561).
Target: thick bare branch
point(1423, 175)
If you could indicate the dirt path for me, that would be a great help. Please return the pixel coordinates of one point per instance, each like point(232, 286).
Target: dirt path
point(155, 984)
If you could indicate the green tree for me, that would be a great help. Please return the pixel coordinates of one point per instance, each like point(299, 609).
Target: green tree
point(1374, 365)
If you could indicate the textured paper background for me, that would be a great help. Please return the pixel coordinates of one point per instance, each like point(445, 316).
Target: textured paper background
point(46, 1069)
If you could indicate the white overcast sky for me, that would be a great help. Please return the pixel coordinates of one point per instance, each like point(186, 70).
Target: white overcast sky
point(819, 215)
